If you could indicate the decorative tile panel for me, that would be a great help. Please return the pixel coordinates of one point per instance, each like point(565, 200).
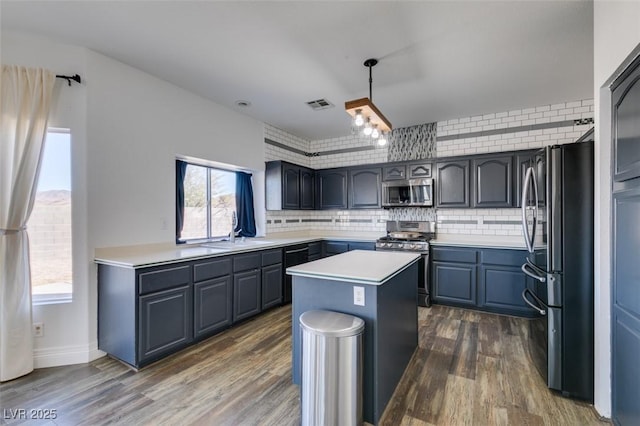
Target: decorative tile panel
point(413, 143)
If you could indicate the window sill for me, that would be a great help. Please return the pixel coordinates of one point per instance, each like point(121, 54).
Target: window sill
point(51, 299)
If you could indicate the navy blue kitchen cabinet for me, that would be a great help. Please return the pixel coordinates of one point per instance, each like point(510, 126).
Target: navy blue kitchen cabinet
point(365, 188)
point(492, 181)
point(315, 251)
point(331, 187)
point(394, 172)
point(523, 162)
point(419, 170)
point(212, 290)
point(289, 186)
point(272, 273)
point(330, 248)
point(452, 184)
point(247, 286)
point(147, 313)
point(453, 272)
point(482, 278)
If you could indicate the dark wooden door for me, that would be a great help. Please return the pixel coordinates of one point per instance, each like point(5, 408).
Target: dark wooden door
point(626, 239)
point(164, 322)
point(523, 162)
point(452, 184)
point(364, 188)
point(290, 186)
point(307, 189)
point(493, 181)
point(454, 283)
point(271, 285)
point(246, 294)
point(332, 189)
point(211, 306)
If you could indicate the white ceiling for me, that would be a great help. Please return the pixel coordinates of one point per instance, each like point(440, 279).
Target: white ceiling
point(438, 60)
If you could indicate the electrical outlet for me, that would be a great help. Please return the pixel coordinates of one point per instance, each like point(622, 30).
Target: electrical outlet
point(38, 329)
point(163, 223)
point(358, 296)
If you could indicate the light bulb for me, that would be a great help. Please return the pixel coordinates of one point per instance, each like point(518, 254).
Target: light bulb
point(382, 141)
point(375, 133)
point(358, 120)
point(367, 128)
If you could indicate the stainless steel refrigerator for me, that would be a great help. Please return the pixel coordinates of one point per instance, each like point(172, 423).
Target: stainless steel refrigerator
point(557, 198)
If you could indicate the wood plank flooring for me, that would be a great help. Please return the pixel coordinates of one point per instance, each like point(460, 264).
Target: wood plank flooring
point(471, 368)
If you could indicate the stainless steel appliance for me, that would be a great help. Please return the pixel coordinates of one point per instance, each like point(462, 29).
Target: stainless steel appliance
point(412, 236)
point(559, 182)
point(407, 193)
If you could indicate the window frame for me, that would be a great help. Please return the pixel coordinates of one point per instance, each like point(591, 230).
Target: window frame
point(209, 166)
point(58, 298)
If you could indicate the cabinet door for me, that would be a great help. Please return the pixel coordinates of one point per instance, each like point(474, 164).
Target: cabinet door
point(290, 186)
point(329, 248)
point(361, 245)
point(397, 172)
point(417, 171)
point(454, 283)
point(493, 181)
point(626, 129)
point(164, 322)
point(452, 184)
point(271, 286)
point(523, 162)
point(246, 294)
point(364, 189)
point(212, 306)
point(307, 189)
point(332, 189)
point(501, 289)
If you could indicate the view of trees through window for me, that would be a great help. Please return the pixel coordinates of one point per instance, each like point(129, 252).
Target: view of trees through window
point(209, 202)
point(49, 225)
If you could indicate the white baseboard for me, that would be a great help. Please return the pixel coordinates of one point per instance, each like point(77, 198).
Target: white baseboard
point(66, 355)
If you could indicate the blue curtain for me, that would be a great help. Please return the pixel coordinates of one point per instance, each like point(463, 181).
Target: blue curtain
point(181, 170)
point(246, 226)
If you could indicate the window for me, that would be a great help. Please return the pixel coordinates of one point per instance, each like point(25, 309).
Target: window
point(49, 225)
point(209, 202)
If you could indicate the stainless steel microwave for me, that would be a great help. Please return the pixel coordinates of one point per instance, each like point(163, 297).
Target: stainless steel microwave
point(408, 193)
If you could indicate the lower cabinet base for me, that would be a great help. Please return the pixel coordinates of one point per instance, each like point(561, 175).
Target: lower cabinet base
point(499, 311)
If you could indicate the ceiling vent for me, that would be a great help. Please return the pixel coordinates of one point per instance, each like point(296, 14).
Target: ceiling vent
point(319, 104)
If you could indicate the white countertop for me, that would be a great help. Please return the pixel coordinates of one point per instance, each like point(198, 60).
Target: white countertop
point(484, 241)
point(357, 266)
point(164, 253)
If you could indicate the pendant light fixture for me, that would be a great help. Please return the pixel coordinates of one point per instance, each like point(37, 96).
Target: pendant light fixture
point(366, 115)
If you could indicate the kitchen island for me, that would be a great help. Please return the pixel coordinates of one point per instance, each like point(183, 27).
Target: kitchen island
point(379, 287)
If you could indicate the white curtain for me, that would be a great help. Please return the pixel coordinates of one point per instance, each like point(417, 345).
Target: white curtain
point(25, 96)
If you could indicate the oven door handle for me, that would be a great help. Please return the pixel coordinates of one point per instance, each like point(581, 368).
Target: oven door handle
point(526, 292)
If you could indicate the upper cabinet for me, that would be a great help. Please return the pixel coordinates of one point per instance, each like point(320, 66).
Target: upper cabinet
point(420, 170)
point(364, 188)
point(452, 184)
point(626, 131)
point(331, 189)
point(289, 186)
point(395, 172)
point(493, 181)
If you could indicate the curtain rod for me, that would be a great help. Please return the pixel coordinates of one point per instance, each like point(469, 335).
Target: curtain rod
point(75, 78)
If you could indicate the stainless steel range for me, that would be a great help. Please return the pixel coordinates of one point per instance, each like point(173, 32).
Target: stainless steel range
point(412, 236)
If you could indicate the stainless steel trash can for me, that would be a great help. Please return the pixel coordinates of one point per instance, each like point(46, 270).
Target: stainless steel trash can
point(331, 390)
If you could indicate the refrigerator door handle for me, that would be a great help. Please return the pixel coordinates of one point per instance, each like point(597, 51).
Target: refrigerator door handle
point(529, 181)
point(526, 292)
point(533, 271)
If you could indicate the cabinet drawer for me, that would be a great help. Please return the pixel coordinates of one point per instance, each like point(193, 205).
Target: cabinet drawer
point(211, 269)
point(503, 257)
point(245, 262)
point(315, 248)
point(271, 257)
point(163, 279)
point(419, 171)
point(454, 255)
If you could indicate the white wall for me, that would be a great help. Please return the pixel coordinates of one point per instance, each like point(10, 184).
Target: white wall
point(126, 129)
point(616, 34)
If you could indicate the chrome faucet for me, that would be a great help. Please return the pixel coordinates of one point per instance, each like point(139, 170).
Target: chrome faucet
point(234, 222)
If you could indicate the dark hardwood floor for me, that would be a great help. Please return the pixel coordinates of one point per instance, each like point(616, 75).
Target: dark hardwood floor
point(470, 368)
